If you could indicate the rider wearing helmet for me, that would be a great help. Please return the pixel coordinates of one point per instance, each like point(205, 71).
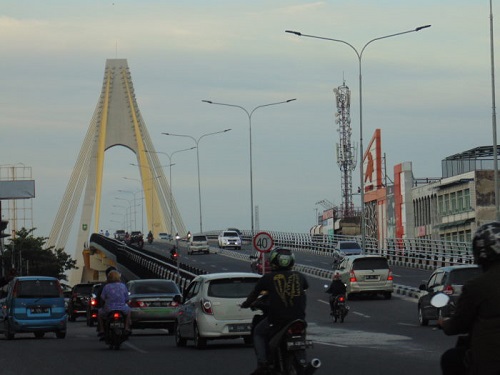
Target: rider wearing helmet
point(478, 311)
point(285, 290)
point(336, 288)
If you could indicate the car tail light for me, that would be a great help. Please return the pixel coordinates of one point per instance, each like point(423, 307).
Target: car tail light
point(448, 289)
point(206, 307)
point(297, 328)
point(389, 277)
point(352, 277)
point(93, 302)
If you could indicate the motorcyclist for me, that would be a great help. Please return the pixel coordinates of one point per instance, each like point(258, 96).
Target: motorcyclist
point(150, 236)
point(336, 288)
point(115, 297)
point(173, 252)
point(477, 312)
point(286, 297)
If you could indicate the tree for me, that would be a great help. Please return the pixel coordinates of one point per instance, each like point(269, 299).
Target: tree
point(30, 256)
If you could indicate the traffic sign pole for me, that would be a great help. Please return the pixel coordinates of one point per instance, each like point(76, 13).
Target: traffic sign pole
point(263, 242)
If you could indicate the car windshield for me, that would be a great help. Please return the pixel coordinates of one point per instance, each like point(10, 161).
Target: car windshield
point(459, 277)
point(37, 289)
point(231, 288)
point(230, 234)
point(83, 289)
point(155, 287)
point(370, 264)
point(199, 238)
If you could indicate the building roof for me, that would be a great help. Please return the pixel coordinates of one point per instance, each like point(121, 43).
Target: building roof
point(474, 153)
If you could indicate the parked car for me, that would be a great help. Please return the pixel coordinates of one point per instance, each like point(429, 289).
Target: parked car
point(256, 264)
point(94, 304)
point(198, 243)
point(120, 235)
point(154, 303)
point(80, 297)
point(448, 280)
point(228, 239)
point(34, 304)
point(211, 308)
point(366, 274)
point(343, 248)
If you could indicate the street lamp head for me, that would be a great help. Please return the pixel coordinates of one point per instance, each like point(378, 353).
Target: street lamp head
point(422, 27)
point(293, 32)
point(291, 100)
point(207, 101)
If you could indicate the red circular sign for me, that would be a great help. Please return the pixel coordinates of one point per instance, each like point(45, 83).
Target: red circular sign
point(263, 242)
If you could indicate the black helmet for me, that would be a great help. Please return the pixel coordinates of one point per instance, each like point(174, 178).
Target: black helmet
point(486, 243)
point(281, 258)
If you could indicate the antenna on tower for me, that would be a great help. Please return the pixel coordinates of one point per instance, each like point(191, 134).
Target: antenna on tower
point(346, 152)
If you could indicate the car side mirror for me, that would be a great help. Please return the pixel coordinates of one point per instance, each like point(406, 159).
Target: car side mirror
point(422, 287)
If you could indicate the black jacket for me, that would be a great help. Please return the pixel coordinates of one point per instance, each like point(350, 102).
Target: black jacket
point(478, 314)
point(286, 294)
point(337, 287)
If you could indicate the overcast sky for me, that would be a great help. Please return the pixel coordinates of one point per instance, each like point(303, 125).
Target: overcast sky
point(429, 92)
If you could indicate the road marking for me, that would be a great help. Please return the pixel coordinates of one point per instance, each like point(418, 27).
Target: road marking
point(409, 325)
point(330, 344)
point(360, 314)
point(131, 346)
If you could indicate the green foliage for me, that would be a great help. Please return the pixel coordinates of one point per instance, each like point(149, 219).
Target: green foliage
point(36, 258)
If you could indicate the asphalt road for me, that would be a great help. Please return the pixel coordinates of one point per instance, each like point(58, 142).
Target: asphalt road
point(378, 337)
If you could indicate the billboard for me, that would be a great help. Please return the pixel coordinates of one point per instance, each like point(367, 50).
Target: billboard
point(17, 189)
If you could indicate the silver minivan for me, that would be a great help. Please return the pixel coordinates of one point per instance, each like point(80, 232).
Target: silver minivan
point(366, 274)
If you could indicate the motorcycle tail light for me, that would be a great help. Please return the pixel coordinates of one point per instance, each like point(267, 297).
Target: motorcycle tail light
point(341, 299)
point(297, 328)
point(117, 315)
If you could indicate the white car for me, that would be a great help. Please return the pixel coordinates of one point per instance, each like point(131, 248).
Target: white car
point(164, 236)
point(229, 238)
point(211, 309)
point(198, 243)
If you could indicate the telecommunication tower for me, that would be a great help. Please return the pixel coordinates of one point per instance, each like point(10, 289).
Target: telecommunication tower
point(346, 152)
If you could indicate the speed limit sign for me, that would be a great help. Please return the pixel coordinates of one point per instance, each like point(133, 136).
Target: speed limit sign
point(263, 242)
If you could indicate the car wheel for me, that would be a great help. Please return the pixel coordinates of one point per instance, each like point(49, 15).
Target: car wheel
point(248, 340)
point(387, 295)
point(179, 340)
point(39, 335)
point(421, 319)
point(61, 334)
point(199, 342)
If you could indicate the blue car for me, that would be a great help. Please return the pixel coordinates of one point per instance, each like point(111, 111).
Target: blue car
point(34, 304)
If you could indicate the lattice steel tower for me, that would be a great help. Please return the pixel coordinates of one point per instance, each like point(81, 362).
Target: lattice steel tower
point(346, 153)
point(117, 121)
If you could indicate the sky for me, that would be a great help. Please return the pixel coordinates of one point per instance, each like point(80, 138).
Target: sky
point(429, 92)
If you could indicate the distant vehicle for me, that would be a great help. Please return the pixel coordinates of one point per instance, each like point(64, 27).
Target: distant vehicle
point(366, 274)
point(165, 236)
point(448, 280)
point(154, 303)
point(256, 265)
point(236, 230)
point(120, 235)
point(198, 243)
point(136, 238)
point(80, 297)
point(94, 304)
point(34, 304)
point(228, 239)
point(344, 248)
point(211, 309)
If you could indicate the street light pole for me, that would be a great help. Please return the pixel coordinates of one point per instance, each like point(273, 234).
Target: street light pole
point(197, 141)
point(152, 191)
point(170, 178)
point(249, 114)
point(135, 210)
point(361, 151)
point(494, 119)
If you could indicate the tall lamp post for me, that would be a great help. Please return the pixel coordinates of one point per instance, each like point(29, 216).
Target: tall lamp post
point(170, 178)
point(135, 211)
point(494, 118)
point(197, 141)
point(152, 192)
point(361, 152)
point(249, 114)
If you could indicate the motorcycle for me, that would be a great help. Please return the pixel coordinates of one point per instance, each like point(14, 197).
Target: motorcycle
point(340, 309)
point(150, 239)
point(114, 329)
point(174, 255)
point(287, 345)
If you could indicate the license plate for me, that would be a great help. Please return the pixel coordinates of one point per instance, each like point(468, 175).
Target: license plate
point(371, 277)
point(240, 328)
point(39, 310)
point(298, 344)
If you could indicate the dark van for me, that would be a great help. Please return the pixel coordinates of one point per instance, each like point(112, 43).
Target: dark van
point(34, 304)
